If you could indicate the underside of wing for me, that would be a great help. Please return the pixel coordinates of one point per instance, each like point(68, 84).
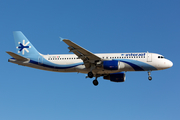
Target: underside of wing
point(87, 57)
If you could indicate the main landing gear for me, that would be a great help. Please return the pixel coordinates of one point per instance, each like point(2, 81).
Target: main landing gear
point(149, 74)
point(91, 75)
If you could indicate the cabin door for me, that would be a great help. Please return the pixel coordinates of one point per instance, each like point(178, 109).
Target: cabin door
point(149, 57)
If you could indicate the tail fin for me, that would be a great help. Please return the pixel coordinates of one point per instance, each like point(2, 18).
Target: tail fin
point(23, 46)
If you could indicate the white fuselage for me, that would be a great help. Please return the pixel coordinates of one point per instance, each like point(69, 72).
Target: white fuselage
point(70, 62)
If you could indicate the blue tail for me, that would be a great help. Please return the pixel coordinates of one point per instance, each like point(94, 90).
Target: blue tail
point(23, 45)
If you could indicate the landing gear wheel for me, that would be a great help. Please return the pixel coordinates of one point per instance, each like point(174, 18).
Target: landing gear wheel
point(149, 74)
point(95, 82)
point(150, 78)
point(90, 74)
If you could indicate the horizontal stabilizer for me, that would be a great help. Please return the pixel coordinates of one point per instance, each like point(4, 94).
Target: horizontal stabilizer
point(17, 57)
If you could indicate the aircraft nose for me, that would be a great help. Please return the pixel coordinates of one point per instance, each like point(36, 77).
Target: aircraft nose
point(169, 64)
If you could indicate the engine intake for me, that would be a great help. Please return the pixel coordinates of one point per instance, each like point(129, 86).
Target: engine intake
point(116, 77)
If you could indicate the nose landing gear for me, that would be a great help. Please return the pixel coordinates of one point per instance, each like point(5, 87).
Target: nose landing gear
point(149, 74)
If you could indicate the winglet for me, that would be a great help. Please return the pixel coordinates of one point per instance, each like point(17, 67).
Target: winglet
point(61, 39)
point(17, 57)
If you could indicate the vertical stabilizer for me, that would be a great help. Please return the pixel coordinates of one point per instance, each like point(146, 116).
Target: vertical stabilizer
point(23, 45)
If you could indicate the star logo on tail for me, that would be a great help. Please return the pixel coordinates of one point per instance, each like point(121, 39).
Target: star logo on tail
point(23, 47)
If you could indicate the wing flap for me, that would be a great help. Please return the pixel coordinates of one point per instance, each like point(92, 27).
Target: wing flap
point(17, 57)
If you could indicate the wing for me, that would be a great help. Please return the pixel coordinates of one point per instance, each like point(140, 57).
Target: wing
point(87, 57)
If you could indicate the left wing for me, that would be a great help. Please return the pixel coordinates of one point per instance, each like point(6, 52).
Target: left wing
point(87, 57)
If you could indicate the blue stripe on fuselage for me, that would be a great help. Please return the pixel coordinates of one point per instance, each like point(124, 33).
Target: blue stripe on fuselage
point(138, 65)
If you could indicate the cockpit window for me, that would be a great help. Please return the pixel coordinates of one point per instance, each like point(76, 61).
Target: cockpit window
point(161, 57)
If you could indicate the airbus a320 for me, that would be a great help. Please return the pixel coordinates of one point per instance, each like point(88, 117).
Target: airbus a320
point(111, 66)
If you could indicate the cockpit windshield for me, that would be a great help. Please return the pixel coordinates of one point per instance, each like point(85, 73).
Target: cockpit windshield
point(161, 57)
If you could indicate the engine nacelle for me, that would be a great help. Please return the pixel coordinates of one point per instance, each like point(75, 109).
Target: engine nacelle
point(111, 65)
point(116, 77)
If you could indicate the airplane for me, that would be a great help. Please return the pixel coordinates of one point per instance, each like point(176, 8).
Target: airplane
point(111, 66)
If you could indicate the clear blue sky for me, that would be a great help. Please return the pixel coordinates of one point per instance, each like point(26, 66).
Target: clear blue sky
point(99, 26)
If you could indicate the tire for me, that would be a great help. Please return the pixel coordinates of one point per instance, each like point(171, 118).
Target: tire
point(90, 75)
point(150, 78)
point(95, 82)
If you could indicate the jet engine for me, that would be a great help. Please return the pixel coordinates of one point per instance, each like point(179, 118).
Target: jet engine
point(111, 65)
point(116, 77)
